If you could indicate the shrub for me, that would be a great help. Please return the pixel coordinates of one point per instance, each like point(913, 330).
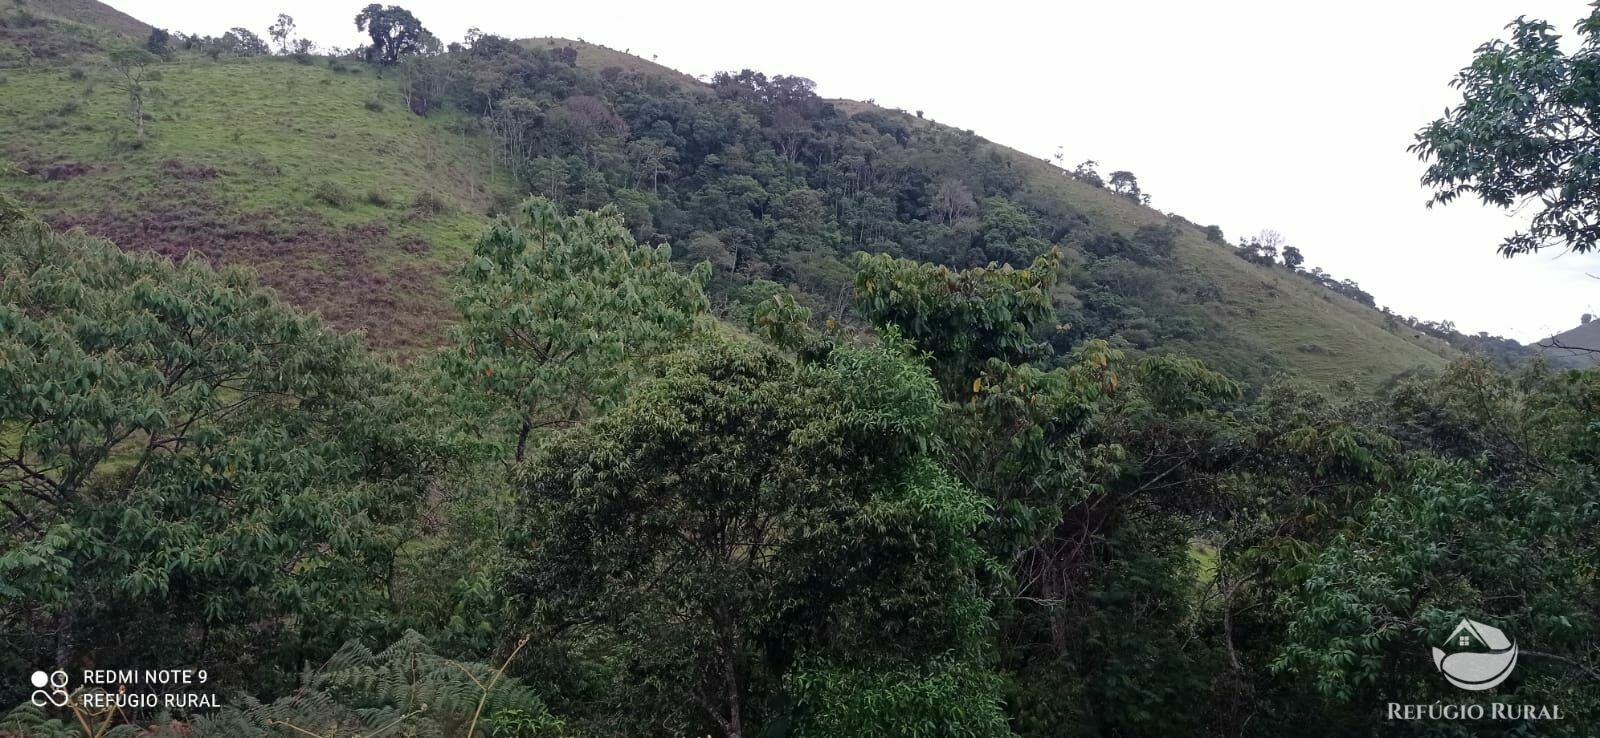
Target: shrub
point(376, 197)
point(334, 195)
point(427, 204)
point(374, 106)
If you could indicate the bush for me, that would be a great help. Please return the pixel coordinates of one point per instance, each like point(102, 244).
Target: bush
point(376, 197)
point(374, 106)
point(334, 195)
point(426, 205)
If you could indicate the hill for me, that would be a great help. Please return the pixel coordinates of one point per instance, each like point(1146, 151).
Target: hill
point(1576, 348)
point(317, 173)
point(54, 31)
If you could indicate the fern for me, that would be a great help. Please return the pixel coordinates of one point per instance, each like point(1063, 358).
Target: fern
point(404, 690)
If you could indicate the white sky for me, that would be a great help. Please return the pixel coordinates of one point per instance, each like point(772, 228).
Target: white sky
point(1248, 114)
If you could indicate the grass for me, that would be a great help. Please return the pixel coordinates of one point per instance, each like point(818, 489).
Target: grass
point(96, 15)
point(595, 56)
point(282, 166)
point(349, 204)
point(1315, 333)
point(1319, 335)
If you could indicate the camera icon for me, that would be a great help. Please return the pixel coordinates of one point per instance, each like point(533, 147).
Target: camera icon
point(50, 689)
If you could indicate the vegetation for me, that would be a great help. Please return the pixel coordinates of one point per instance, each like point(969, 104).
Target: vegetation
point(1522, 133)
point(761, 417)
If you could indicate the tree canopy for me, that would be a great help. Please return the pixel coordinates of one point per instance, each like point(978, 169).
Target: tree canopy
point(1523, 133)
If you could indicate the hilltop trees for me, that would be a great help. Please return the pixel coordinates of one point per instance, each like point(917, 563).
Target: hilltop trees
point(394, 31)
point(1523, 132)
point(1126, 184)
point(281, 31)
point(1292, 258)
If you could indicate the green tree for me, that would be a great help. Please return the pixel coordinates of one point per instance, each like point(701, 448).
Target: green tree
point(244, 42)
point(1125, 183)
point(744, 520)
point(559, 312)
point(963, 319)
point(1523, 132)
point(159, 43)
point(183, 454)
point(1292, 258)
point(394, 31)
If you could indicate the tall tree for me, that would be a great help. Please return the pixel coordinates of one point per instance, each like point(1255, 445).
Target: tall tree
point(394, 31)
point(1292, 258)
point(281, 31)
point(559, 311)
point(185, 454)
point(133, 68)
point(750, 542)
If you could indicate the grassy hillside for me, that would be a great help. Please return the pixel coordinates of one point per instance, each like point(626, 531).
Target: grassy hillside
point(1321, 335)
point(595, 56)
point(317, 175)
point(90, 13)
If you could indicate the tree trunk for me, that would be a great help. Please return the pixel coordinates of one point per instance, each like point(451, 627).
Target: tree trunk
point(522, 438)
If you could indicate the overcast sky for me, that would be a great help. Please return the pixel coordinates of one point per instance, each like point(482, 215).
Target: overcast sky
point(1250, 115)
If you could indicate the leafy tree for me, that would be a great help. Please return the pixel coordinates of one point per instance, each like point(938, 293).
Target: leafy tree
point(159, 43)
point(1087, 173)
point(1522, 132)
point(394, 31)
point(962, 319)
point(1292, 258)
point(244, 42)
point(280, 31)
point(559, 311)
point(746, 525)
point(1126, 184)
point(1495, 524)
point(184, 454)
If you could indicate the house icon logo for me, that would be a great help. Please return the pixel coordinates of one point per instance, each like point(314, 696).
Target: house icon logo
point(1481, 656)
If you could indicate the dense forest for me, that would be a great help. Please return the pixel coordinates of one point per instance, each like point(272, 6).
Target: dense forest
point(759, 417)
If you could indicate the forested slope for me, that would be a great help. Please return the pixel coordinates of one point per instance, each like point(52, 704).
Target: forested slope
point(904, 435)
point(354, 194)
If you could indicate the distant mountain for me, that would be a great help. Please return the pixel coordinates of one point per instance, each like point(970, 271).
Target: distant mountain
point(1577, 348)
point(316, 173)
